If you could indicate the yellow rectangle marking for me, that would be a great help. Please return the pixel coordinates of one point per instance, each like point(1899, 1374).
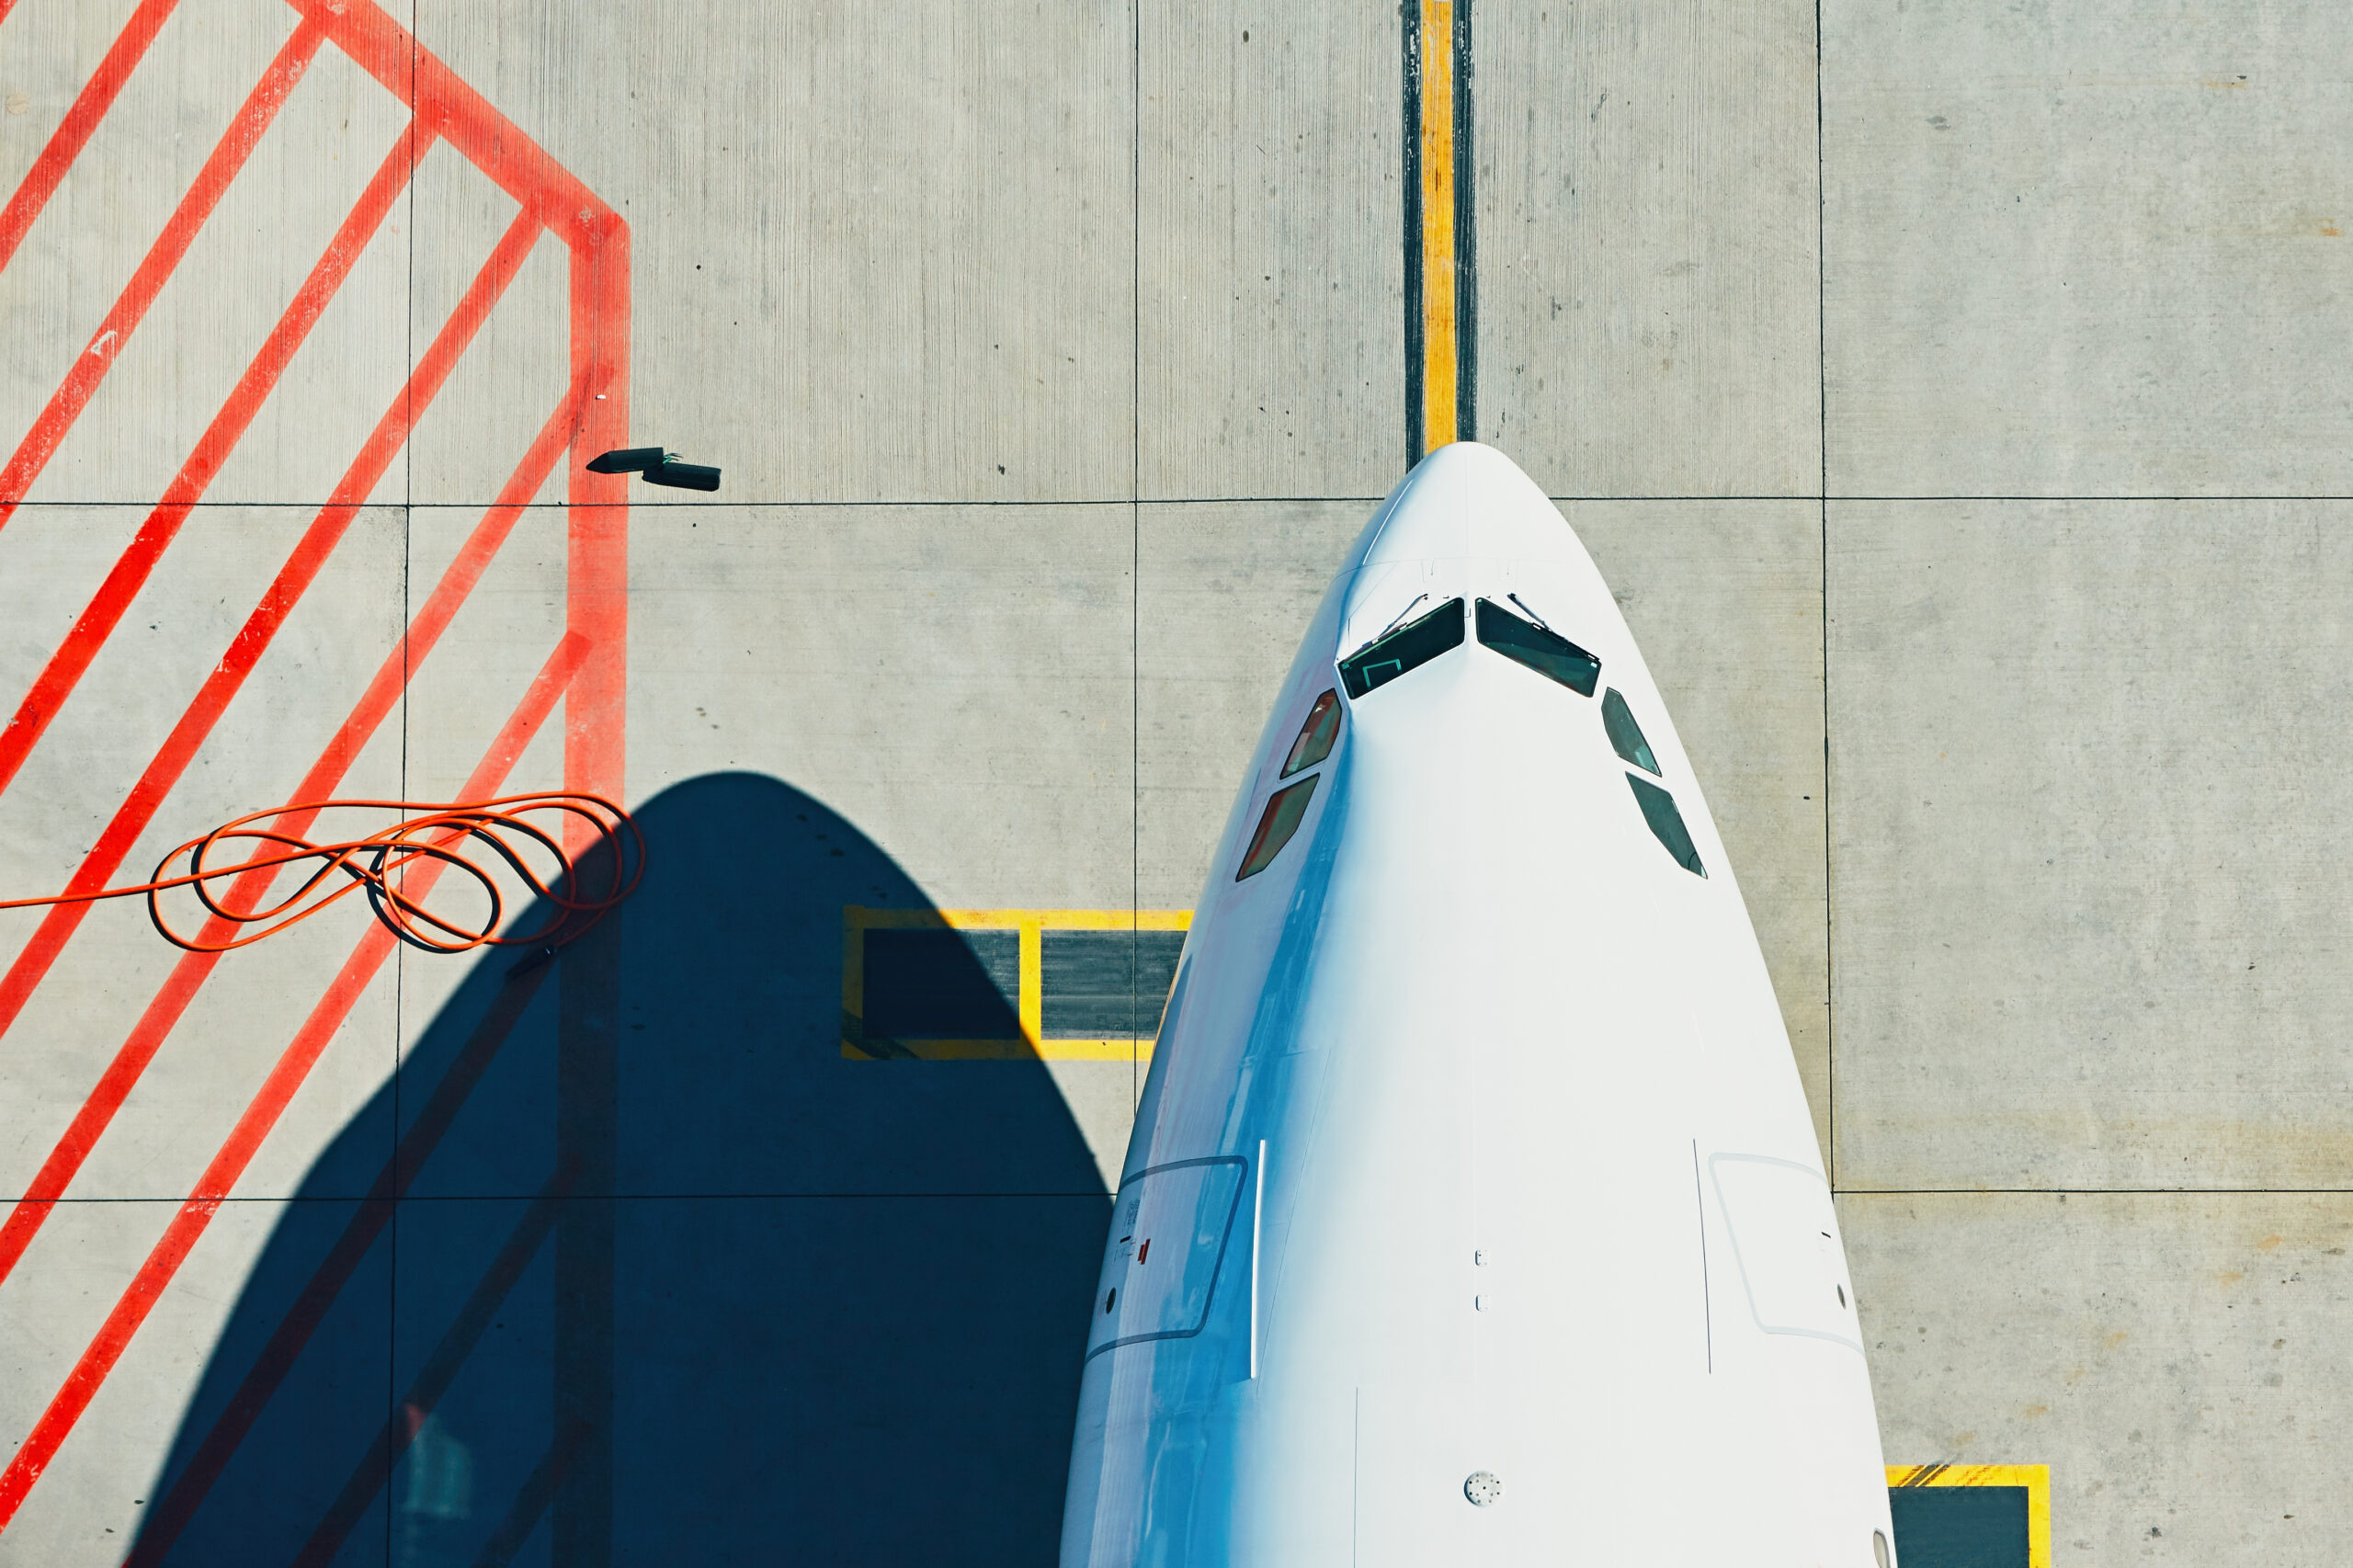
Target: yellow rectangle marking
point(1032, 925)
point(2035, 1478)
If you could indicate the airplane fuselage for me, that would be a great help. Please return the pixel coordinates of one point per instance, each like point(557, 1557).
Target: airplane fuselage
point(1473, 1214)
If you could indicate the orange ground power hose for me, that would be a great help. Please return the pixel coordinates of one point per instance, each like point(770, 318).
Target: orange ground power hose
point(397, 866)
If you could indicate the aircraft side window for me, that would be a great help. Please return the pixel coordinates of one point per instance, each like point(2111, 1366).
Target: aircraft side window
point(1316, 736)
point(1540, 648)
point(1280, 820)
point(1625, 734)
point(1408, 647)
point(1667, 823)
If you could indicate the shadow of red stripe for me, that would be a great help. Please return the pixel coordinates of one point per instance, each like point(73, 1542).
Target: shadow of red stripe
point(375, 1467)
point(522, 1516)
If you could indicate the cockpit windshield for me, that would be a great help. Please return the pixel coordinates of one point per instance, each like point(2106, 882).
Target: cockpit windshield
point(1538, 647)
point(1409, 647)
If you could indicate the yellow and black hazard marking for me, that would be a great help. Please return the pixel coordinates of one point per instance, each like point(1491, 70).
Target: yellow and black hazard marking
point(1006, 985)
point(1970, 1516)
point(1441, 252)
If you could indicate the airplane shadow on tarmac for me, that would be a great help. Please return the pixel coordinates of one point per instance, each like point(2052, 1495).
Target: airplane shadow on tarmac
point(657, 1275)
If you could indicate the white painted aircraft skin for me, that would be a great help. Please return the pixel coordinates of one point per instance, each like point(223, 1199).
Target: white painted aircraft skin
point(1473, 1143)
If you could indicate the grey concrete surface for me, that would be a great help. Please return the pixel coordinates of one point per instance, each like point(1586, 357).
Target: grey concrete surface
point(1648, 222)
point(2175, 1358)
point(888, 257)
point(2095, 249)
point(962, 675)
point(2089, 915)
point(1270, 328)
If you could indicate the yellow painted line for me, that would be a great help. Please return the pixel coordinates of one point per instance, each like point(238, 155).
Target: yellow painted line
point(1439, 359)
point(1033, 980)
point(1013, 1051)
point(2035, 1478)
point(1014, 919)
point(1030, 926)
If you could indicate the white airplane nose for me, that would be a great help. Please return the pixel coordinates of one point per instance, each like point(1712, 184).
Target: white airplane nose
point(1470, 500)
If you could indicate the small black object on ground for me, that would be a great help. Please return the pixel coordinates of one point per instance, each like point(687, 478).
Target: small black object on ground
point(659, 467)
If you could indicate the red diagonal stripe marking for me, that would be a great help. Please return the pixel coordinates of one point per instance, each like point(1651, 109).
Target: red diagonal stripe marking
point(293, 1065)
point(173, 1512)
point(91, 365)
point(130, 572)
point(310, 555)
point(90, 106)
point(179, 988)
point(462, 116)
point(107, 606)
point(269, 362)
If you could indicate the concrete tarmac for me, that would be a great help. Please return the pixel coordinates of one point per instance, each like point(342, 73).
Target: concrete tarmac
point(1952, 399)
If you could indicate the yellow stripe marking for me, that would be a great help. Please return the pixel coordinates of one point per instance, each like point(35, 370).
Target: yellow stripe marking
point(1437, 224)
point(1014, 1050)
point(1033, 980)
point(1014, 919)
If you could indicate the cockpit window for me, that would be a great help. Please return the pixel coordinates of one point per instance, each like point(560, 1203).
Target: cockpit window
point(1539, 648)
point(1409, 647)
point(1658, 810)
point(1625, 734)
point(1280, 820)
point(1316, 736)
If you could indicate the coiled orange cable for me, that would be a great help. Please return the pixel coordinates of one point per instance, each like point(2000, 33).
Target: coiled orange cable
point(442, 835)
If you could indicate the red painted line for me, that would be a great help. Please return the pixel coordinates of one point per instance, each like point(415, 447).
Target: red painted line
point(303, 566)
point(179, 988)
point(107, 607)
point(583, 668)
point(65, 667)
point(440, 1369)
point(90, 106)
point(293, 1065)
point(91, 365)
point(460, 116)
point(173, 1511)
point(228, 426)
point(597, 583)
